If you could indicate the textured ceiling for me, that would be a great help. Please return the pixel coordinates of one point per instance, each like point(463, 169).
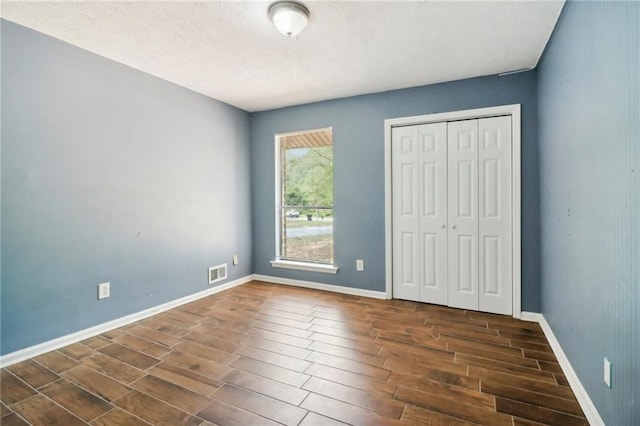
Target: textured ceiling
point(230, 51)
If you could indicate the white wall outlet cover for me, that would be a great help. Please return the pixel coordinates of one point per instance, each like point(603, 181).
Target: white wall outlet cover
point(235, 259)
point(104, 290)
point(607, 372)
point(360, 265)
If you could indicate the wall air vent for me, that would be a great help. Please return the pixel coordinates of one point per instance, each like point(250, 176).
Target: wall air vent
point(217, 273)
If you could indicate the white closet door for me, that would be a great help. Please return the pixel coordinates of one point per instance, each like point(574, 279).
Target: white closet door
point(433, 212)
point(452, 224)
point(463, 213)
point(406, 219)
point(494, 201)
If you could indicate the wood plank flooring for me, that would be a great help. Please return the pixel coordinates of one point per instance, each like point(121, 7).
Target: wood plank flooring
point(265, 354)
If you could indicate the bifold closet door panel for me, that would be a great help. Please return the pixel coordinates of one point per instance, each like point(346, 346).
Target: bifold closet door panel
point(433, 212)
point(463, 213)
point(452, 214)
point(406, 218)
point(495, 215)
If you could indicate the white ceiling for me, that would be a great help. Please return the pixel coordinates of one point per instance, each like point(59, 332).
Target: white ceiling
point(230, 51)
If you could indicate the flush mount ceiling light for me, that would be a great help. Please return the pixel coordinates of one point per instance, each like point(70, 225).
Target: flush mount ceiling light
point(289, 17)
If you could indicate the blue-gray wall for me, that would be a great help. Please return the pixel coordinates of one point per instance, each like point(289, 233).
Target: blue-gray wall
point(589, 115)
point(358, 136)
point(109, 174)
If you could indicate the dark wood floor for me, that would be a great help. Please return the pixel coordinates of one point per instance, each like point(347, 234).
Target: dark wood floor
point(263, 354)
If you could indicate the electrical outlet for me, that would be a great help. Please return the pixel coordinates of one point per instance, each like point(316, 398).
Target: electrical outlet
point(235, 259)
point(104, 290)
point(607, 372)
point(359, 265)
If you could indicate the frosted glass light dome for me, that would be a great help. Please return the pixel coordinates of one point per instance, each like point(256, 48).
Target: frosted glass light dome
point(290, 18)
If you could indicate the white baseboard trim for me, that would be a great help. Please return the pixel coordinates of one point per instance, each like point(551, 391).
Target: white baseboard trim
point(590, 411)
point(531, 316)
point(319, 286)
point(42, 348)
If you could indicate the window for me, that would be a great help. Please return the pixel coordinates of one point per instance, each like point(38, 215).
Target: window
point(304, 200)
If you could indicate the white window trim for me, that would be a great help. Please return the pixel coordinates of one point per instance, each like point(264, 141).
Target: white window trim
point(327, 268)
point(305, 266)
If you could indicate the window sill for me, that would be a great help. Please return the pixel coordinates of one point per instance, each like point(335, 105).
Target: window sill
point(304, 266)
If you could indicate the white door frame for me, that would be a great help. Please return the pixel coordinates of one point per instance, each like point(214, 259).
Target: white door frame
point(512, 110)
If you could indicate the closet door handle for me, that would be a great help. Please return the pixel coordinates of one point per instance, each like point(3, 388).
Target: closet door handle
point(443, 226)
point(453, 227)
